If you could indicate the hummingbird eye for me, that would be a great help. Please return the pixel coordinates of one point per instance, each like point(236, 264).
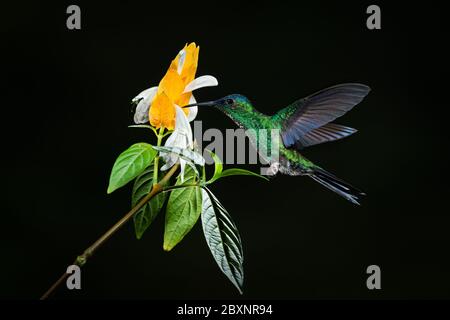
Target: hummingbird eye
point(229, 101)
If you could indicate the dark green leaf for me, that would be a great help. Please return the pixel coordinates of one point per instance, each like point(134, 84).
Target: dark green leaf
point(183, 209)
point(130, 164)
point(223, 238)
point(145, 216)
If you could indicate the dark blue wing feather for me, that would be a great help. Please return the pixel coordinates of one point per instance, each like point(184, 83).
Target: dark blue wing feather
point(318, 109)
point(326, 133)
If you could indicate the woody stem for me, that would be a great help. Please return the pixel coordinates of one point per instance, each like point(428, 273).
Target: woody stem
point(82, 259)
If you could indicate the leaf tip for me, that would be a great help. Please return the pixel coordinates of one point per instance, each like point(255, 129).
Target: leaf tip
point(239, 287)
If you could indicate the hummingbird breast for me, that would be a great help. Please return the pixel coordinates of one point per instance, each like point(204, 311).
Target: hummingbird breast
point(265, 137)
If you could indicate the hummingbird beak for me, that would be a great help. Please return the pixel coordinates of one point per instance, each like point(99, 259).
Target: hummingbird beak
point(201, 104)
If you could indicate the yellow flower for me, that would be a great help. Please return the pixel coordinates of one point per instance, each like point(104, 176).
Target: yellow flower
point(157, 104)
point(186, 63)
point(162, 112)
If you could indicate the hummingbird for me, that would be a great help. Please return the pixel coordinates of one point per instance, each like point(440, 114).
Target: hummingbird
point(303, 123)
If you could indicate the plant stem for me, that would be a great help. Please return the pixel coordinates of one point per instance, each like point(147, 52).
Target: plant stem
point(82, 259)
point(160, 136)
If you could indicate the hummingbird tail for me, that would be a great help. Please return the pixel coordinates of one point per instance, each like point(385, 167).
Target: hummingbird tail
point(337, 185)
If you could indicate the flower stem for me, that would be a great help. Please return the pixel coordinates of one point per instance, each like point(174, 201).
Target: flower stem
point(159, 136)
point(82, 259)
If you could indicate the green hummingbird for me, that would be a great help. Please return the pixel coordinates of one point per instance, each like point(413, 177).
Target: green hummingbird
point(304, 123)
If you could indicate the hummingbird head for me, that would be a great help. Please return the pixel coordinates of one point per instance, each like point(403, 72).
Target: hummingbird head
point(234, 103)
point(236, 106)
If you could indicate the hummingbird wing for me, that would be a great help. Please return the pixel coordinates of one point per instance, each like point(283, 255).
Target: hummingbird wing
point(318, 109)
point(326, 133)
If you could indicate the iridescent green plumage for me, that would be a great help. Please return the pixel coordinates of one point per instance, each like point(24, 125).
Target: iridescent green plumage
point(247, 117)
point(304, 123)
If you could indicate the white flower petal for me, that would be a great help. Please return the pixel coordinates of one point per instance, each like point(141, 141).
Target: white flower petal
point(183, 127)
point(181, 137)
point(182, 167)
point(192, 110)
point(170, 161)
point(201, 82)
point(146, 98)
point(144, 94)
point(141, 113)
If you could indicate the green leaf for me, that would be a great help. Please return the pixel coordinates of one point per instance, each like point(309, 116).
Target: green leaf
point(218, 167)
point(140, 126)
point(130, 164)
point(146, 126)
point(145, 216)
point(183, 209)
point(241, 172)
point(223, 239)
point(235, 172)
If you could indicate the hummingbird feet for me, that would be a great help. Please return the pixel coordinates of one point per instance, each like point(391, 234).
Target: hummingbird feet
point(272, 170)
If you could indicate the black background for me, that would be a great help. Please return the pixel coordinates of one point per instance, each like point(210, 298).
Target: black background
point(65, 115)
